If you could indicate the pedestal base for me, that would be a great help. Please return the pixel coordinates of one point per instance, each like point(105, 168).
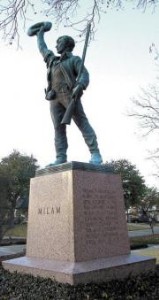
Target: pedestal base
point(77, 229)
point(98, 270)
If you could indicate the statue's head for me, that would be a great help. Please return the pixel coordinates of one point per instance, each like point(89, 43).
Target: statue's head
point(65, 43)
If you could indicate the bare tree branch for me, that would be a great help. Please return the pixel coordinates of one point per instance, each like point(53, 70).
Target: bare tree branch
point(12, 12)
point(146, 109)
point(15, 13)
point(154, 157)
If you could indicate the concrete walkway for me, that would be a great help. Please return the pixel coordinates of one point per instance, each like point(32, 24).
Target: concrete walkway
point(8, 252)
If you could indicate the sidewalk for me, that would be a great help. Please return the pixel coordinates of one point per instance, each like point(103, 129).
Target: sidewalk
point(143, 232)
point(8, 252)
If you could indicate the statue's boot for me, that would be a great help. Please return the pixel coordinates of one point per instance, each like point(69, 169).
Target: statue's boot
point(58, 161)
point(91, 141)
point(96, 158)
point(61, 146)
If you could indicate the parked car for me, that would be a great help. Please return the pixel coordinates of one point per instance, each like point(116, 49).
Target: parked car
point(132, 219)
point(141, 219)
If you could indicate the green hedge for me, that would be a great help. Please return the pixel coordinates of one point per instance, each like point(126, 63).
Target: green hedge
point(20, 287)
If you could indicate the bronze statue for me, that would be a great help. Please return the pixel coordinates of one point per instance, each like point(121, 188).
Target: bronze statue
point(67, 79)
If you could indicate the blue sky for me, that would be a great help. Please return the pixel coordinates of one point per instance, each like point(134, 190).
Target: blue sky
point(119, 63)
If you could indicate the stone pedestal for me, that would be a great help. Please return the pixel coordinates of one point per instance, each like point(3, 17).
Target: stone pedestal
point(77, 227)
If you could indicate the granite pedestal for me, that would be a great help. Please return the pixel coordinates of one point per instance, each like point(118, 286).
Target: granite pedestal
point(77, 229)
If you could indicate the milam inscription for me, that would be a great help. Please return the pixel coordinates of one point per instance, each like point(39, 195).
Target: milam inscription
point(49, 210)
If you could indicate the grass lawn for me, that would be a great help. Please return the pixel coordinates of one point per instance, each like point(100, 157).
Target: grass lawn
point(153, 252)
point(21, 229)
point(139, 226)
point(134, 226)
point(17, 231)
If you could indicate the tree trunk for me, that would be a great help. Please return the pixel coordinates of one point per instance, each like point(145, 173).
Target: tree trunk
point(1, 233)
point(11, 213)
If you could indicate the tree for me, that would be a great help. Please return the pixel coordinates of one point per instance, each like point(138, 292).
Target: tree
point(146, 111)
point(15, 13)
point(133, 182)
point(148, 206)
point(150, 200)
point(15, 171)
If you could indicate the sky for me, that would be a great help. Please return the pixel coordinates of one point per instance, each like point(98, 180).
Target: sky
point(119, 64)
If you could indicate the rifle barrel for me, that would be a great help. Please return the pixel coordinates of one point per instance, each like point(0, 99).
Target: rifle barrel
point(69, 111)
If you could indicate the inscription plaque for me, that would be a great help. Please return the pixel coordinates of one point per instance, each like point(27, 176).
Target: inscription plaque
point(101, 226)
point(99, 215)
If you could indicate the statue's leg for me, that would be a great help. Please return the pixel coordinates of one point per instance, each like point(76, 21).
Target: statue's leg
point(88, 133)
point(57, 111)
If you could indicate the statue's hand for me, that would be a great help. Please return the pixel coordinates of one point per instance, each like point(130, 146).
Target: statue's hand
point(39, 27)
point(40, 32)
point(77, 91)
point(42, 29)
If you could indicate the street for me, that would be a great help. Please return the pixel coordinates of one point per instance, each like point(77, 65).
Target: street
point(143, 232)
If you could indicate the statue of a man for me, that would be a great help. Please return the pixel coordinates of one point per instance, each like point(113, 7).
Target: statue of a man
point(62, 72)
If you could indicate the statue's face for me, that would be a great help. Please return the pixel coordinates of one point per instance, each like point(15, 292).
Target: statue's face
point(61, 45)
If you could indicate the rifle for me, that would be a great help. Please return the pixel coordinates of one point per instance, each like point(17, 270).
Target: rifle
point(70, 109)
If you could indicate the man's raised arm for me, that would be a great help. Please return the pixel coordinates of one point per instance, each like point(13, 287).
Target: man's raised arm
point(39, 29)
point(42, 45)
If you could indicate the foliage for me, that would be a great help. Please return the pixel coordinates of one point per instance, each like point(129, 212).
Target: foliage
point(15, 173)
point(133, 182)
point(144, 240)
point(75, 13)
point(19, 169)
point(18, 286)
point(4, 204)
